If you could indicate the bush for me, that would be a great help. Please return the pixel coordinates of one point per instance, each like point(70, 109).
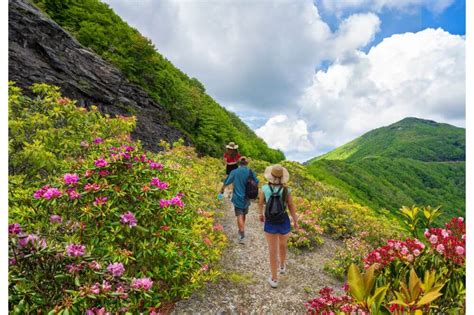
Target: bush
point(107, 225)
point(409, 277)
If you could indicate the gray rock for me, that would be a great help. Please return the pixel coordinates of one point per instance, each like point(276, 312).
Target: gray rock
point(40, 51)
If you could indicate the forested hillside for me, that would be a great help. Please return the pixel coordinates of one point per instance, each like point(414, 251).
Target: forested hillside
point(192, 110)
point(413, 161)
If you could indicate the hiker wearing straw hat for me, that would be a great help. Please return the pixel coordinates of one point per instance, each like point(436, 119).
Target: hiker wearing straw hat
point(239, 178)
point(231, 157)
point(276, 197)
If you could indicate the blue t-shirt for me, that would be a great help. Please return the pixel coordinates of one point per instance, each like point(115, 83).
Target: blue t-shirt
point(239, 177)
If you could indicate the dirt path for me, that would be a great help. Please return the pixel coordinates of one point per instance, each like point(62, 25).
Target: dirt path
point(243, 288)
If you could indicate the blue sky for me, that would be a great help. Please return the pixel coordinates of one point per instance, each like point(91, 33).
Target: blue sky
point(310, 75)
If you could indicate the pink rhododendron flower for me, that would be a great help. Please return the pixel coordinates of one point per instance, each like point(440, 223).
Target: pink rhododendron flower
point(97, 311)
point(142, 284)
point(14, 228)
point(416, 252)
point(156, 166)
point(176, 201)
point(71, 179)
point(75, 250)
point(55, 218)
point(31, 240)
point(94, 187)
point(73, 194)
point(100, 201)
point(104, 173)
point(207, 241)
point(122, 292)
point(95, 289)
point(404, 251)
point(433, 239)
point(159, 184)
point(101, 163)
point(165, 203)
point(98, 140)
point(116, 269)
point(204, 267)
point(73, 268)
point(460, 250)
point(128, 218)
point(444, 233)
point(51, 193)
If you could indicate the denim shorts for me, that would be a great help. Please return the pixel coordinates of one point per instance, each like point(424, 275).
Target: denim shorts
point(239, 211)
point(279, 228)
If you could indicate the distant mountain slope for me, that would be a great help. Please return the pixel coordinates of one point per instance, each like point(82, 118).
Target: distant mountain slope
point(411, 138)
point(192, 110)
point(413, 161)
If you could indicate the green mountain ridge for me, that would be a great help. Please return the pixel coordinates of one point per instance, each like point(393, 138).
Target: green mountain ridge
point(412, 138)
point(413, 161)
point(209, 126)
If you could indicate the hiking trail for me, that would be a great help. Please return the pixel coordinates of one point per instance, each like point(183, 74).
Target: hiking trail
point(243, 286)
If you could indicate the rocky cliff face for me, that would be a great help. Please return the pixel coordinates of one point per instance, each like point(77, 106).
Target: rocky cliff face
point(41, 51)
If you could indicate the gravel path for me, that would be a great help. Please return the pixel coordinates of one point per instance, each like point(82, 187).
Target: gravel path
point(243, 287)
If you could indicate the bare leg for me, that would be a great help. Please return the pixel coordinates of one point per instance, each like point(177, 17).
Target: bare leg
point(241, 222)
point(272, 240)
point(282, 247)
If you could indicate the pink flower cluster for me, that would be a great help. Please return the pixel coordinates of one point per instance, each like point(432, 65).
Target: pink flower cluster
point(116, 269)
point(449, 242)
point(144, 284)
point(100, 201)
point(14, 228)
point(31, 241)
point(395, 249)
point(75, 250)
point(175, 201)
point(329, 304)
point(101, 162)
point(156, 166)
point(97, 311)
point(73, 194)
point(98, 140)
point(218, 227)
point(54, 218)
point(128, 218)
point(155, 181)
point(94, 187)
point(47, 192)
point(71, 179)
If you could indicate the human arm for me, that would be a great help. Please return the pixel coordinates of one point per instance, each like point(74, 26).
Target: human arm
point(229, 180)
point(261, 201)
point(292, 207)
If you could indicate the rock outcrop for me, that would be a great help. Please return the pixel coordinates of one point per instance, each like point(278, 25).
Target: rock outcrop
point(41, 51)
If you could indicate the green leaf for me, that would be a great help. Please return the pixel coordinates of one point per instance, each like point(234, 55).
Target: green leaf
point(428, 298)
point(356, 283)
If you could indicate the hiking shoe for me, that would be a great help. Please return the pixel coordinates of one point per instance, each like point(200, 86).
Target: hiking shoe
point(281, 269)
point(272, 283)
point(241, 239)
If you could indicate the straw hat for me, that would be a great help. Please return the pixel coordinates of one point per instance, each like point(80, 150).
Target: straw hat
point(277, 174)
point(232, 146)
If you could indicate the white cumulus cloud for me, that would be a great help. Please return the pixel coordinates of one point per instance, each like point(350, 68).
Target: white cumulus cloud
point(341, 6)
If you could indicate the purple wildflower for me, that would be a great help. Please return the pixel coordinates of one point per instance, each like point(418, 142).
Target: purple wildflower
point(116, 269)
point(98, 140)
point(14, 228)
point(55, 218)
point(75, 250)
point(142, 284)
point(128, 218)
point(101, 163)
point(70, 179)
point(51, 193)
point(100, 201)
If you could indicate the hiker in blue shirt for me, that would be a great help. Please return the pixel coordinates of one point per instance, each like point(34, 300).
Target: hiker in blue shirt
point(239, 178)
